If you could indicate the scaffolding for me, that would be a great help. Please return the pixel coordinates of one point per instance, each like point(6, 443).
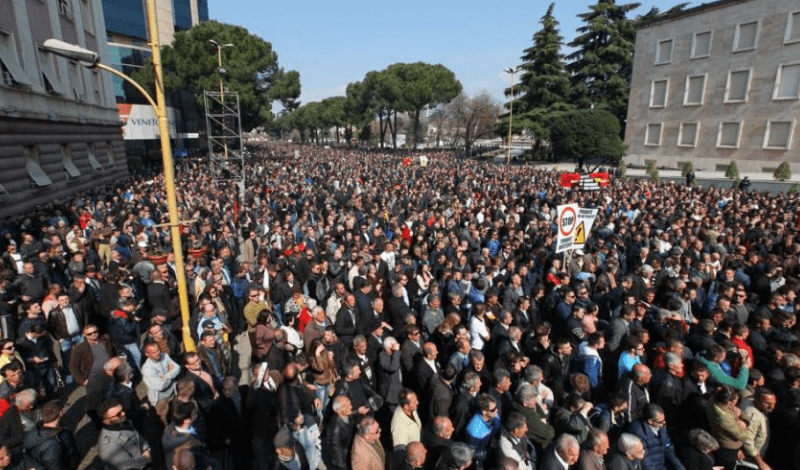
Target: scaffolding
point(224, 129)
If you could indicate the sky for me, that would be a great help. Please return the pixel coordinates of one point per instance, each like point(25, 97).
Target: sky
point(332, 44)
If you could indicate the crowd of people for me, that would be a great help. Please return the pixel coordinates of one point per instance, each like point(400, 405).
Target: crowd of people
point(366, 310)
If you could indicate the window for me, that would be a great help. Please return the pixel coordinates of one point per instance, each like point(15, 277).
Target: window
point(63, 7)
point(729, 134)
point(787, 83)
point(792, 28)
point(86, 16)
point(38, 177)
point(695, 89)
point(110, 153)
point(687, 137)
point(98, 87)
point(653, 136)
point(73, 173)
point(50, 78)
point(778, 135)
point(76, 80)
point(701, 45)
point(96, 166)
point(664, 52)
point(658, 93)
point(746, 36)
point(738, 85)
point(10, 69)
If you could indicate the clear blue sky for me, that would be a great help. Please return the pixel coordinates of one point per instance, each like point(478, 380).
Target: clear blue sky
point(334, 43)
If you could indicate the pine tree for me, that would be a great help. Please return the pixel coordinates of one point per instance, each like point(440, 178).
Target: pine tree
point(602, 64)
point(544, 85)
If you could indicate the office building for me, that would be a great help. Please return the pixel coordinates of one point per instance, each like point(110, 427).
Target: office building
point(717, 83)
point(59, 127)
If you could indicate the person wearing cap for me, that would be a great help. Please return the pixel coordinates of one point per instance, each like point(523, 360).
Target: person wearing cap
point(49, 443)
point(289, 454)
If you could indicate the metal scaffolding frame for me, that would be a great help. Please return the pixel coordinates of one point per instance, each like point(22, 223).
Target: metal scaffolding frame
point(224, 130)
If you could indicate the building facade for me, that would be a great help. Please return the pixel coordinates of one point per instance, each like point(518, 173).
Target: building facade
point(717, 83)
point(127, 34)
point(59, 127)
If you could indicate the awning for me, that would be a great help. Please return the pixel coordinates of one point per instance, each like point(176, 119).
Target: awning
point(38, 176)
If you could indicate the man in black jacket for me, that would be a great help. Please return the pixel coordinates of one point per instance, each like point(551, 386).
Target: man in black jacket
point(51, 445)
point(339, 435)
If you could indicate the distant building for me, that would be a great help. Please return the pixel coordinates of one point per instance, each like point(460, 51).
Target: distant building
point(127, 32)
point(716, 83)
point(59, 127)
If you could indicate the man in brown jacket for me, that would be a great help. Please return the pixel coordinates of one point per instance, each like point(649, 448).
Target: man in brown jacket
point(367, 453)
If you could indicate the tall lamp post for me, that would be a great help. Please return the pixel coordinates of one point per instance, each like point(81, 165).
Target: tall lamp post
point(92, 60)
point(511, 72)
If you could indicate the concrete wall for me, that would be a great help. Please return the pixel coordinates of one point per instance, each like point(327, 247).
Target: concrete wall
point(754, 113)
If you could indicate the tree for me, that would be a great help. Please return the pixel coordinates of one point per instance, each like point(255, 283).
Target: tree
point(333, 113)
point(586, 133)
point(687, 168)
point(655, 13)
point(783, 172)
point(732, 171)
point(473, 117)
point(190, 63)
point(602, 64)
point(544, 86)
point(420, 85)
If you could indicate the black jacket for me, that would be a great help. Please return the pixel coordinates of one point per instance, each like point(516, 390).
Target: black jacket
point(338, 440)
point(53, 448)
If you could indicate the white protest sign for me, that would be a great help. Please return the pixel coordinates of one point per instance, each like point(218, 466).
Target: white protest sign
point(585, 221)
point(567, 221)
point(574, 225)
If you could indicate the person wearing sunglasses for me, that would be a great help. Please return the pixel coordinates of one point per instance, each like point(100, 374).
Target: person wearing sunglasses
point(651, 428)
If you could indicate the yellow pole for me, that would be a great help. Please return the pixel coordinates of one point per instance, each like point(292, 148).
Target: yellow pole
point(169, 175)
point(510, 114)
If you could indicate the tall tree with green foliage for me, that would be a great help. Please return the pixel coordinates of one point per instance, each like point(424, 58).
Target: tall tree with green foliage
point(333, 113)
point(544, 87)
point(420, 85)
point(602, 63)
point(190, 63)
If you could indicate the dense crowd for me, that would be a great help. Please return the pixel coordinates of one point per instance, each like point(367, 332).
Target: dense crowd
point(368, 311)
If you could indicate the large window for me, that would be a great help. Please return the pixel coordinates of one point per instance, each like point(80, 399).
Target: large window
point(664, 52)
point(653, 134)
point(182, 13)
point(737, 86)
point(701, 45)
point(728, 136)
point(658, 93)
point(125, 17)
point(695, 90)
point(792, 28)
point(787, 82)
point(746, 36)
point(778, 135)
point(687, 137)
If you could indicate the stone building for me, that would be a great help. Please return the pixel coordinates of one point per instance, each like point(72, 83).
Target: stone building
point(59, 126)
point(717, 83)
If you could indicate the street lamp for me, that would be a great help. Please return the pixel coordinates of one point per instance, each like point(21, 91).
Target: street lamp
point(511, 72)
point(219, 64)
point(92, 60)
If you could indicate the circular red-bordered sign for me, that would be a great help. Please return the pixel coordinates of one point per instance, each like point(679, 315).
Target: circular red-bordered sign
point(567, 221)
